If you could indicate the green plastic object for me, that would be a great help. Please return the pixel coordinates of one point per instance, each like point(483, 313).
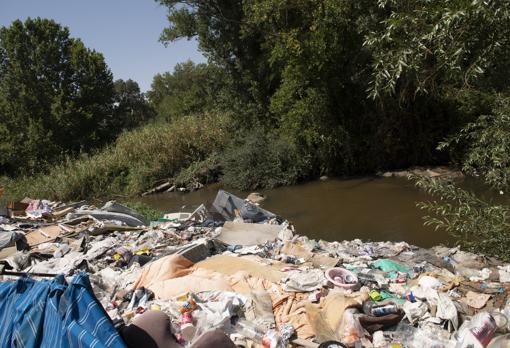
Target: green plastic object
point(392, 267)
point(385, 295)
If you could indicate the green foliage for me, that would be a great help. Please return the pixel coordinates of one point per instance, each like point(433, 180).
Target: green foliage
point(231, 43)
point(55, 96)
point(134, 163)
point(190, 89)
point(200, 172)
point(315, 51)
point(425, 46)
point(304, 68)
point(260, 160)
point(477, 225)
point(486, 146)
point(146, 211)
point(456, 52)
point(131, 109)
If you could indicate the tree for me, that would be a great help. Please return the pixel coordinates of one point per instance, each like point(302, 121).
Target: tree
point(131, 108)
point(303, 68)
point(221, 29)
point(55, 96)
point(431, 46)
point(190, 89)
point(457, 50)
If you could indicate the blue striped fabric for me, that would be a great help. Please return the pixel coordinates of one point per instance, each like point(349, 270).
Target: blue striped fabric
point(50, 313)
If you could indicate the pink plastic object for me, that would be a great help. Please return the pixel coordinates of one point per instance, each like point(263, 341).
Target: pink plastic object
point(341, 277)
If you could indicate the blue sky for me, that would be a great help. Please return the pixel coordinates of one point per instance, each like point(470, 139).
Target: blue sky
point(125, 31)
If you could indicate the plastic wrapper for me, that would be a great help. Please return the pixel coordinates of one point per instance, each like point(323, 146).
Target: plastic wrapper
point(350, 330)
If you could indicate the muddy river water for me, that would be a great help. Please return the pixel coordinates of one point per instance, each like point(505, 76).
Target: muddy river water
point(335, 209)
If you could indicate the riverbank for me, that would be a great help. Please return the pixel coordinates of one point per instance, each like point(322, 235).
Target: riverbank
point(182, 155)
point(230, 273)
point(370, 208)
point(137, 160)
point(441, 172)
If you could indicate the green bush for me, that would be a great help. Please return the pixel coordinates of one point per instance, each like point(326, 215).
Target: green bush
point(134, 163)
point(485, 145)
point(478, 226)
point(203, 172)
point(147, 212)
point(259, 160)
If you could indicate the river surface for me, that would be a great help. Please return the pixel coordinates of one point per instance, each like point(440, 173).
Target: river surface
point(377, 209)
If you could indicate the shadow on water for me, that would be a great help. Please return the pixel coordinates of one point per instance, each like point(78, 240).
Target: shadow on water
point(336, 209)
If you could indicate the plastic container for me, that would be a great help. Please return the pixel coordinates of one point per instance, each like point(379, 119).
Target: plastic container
point(342, 278)
point(188, 331)
point(270, 339)
point(248, 330)
point(379, 311)
point(500, 342)
point(478, 332)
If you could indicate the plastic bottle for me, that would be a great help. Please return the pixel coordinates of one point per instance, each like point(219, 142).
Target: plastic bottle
point(378, 310)
point(484, 329)
point(367, 307)
point(270, 339)
point(350, 330)
point(188, 331)
point(384, 310)
point(249, 331)
point(366, 278)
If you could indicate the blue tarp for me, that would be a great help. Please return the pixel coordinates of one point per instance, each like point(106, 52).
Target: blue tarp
point(51, 313)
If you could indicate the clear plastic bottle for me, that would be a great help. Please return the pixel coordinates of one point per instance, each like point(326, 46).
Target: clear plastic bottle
point(270, 339)
point(249, 330)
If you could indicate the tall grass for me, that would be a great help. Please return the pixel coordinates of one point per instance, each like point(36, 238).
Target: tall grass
point(134, 163)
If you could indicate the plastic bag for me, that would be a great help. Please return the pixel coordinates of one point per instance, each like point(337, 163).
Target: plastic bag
point(446, 310)
point(478, 332)
point(500, 342)
point(350, 330)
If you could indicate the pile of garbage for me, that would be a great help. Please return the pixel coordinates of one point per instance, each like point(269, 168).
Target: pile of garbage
point(243, 270)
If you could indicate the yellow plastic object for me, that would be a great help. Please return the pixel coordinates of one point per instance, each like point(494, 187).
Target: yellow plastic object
point(182, 297)
point(375, 295)
point(143, 251)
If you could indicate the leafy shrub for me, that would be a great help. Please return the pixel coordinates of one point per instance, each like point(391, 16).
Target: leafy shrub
point(477, 225)
point(486, 145)
point(259, 160)
point(203, 172)
point(134, 163)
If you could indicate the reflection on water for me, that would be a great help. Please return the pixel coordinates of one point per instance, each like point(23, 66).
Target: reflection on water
point(335, 209)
